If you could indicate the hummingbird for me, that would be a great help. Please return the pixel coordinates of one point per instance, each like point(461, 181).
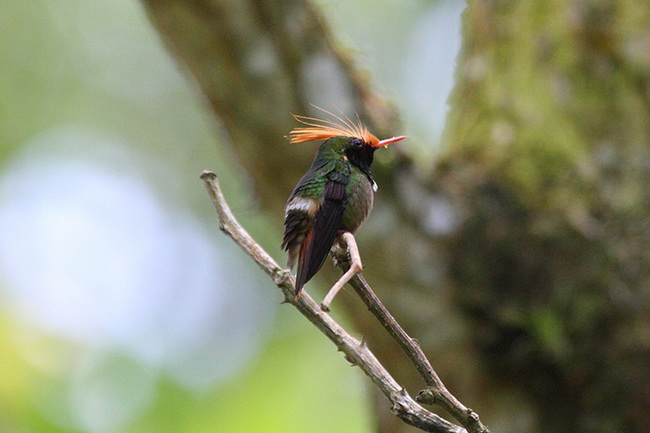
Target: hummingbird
point(334, 197)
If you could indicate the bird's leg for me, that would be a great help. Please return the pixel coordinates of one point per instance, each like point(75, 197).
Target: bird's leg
point(355, 268)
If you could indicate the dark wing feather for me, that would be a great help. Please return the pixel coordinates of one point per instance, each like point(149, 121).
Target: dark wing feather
point(321, 237)
point(297, 225)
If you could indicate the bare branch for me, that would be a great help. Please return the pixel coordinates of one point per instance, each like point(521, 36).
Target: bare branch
point(403, 405)
point(436, 392)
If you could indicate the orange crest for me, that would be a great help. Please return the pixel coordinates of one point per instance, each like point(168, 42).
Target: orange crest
point(323, 129)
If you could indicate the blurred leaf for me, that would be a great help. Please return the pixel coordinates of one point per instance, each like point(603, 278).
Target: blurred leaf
point(295, 386)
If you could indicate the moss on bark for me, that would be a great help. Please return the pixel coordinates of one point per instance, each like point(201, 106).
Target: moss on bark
point(548, 144)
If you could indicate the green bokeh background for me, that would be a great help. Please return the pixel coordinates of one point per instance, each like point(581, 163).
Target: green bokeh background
point(91, 82)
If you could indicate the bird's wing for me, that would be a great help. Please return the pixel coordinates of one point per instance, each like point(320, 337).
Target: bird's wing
point(321, 236)
point(300, 211)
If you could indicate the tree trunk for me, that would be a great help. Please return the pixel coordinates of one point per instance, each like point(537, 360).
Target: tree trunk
point(547, 164)
point(521, 261)
point(256, 62)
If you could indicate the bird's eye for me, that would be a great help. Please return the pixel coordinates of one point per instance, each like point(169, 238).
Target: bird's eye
point(357, 142)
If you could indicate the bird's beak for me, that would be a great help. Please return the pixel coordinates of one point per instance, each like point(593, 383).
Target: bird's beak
point(389, 141)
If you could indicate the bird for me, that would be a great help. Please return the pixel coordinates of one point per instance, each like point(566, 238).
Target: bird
point(332, 199)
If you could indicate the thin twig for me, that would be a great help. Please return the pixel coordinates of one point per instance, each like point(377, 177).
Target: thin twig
point(403, 405)
point(436, 391)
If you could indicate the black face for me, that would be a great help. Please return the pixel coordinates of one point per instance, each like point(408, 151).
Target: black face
point(361, 155)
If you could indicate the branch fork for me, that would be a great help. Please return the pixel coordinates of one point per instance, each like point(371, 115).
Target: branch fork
point(357, 352)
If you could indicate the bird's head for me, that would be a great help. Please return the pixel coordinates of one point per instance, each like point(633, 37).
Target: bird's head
point(342, 136)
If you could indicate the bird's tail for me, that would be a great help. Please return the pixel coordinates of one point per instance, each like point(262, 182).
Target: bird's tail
point(301, 274)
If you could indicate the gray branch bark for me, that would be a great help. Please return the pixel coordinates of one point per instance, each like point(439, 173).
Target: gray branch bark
point(436, 391)
point(356, 352)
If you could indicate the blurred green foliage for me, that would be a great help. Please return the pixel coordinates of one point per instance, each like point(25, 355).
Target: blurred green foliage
point(91, 81)
point(295, 385)
point(98, 67)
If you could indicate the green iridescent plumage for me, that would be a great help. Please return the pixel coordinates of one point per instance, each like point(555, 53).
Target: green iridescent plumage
point(335, 195)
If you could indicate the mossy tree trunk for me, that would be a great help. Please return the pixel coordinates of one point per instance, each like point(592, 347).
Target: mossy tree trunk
point(548, 161)
point(521, 261)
